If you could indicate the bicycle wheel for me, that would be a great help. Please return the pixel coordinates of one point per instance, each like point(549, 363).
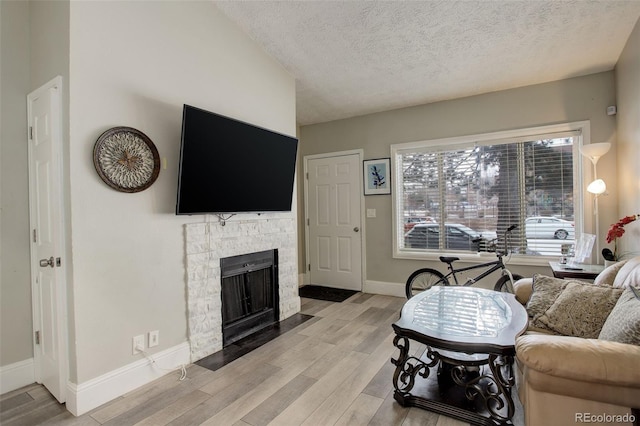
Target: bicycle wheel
point(503, 282)
point(424, 279)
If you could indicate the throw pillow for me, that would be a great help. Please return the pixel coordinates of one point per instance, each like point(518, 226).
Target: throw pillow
point(581, 310)
point(609, 274)
point(545, 291)
point(623, 324)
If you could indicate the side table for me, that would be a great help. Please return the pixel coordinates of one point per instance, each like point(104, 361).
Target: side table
point(581, 271)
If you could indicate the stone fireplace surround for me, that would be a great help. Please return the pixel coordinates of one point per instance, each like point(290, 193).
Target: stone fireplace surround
point(205, 244)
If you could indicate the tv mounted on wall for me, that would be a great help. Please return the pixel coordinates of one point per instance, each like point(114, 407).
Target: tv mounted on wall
point(229, 166)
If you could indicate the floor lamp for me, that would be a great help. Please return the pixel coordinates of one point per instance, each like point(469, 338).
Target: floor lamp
point(593, 152)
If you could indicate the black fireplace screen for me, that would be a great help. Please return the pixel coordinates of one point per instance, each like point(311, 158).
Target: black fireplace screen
point(249, 294)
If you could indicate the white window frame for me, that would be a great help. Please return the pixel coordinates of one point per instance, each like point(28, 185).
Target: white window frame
point(582, 175)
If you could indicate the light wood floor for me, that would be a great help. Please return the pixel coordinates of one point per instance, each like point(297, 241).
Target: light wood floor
point(334, 369)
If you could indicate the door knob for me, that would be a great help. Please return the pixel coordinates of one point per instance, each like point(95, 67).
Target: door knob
point(356, 229)
point(46, 262)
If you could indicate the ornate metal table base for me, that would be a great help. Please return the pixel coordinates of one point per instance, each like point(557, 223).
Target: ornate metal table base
point(491, 390)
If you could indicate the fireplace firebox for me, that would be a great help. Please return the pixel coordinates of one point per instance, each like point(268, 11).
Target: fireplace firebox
point(250, 299)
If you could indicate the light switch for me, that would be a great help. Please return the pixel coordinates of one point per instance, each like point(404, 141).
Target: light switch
point(371, 212)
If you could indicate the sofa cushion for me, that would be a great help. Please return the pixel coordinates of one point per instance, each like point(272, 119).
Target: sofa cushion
point(623, 324)
point(588, 360)
point(581, 309)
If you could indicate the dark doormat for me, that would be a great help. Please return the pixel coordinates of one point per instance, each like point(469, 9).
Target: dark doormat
point(325, 293)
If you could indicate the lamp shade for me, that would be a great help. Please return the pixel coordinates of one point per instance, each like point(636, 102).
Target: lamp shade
point(595, 150)
point(597, 187)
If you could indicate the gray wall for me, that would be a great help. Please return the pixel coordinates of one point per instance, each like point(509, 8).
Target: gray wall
point(15, 291)
point(35, 49)
point(628, 91)
point(575, 99)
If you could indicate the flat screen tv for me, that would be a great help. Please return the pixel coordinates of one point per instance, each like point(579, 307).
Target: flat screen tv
point(228, 166)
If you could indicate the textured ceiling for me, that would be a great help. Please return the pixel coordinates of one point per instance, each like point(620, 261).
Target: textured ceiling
point(352, 58)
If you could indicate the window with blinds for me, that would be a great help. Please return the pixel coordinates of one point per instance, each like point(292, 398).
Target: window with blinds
point(462, 196)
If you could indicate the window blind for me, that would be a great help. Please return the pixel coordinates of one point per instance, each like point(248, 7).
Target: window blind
point(486, 187)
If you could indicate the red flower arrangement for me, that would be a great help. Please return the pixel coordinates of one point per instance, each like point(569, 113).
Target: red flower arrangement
point(616, 231)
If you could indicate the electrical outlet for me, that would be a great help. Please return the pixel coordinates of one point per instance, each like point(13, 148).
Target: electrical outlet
point(154, 338)
point(138, 344)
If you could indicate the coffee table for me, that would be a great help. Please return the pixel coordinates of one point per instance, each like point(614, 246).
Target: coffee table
point(469, 335)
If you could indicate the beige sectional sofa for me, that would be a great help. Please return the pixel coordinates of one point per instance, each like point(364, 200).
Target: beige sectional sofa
point(564, 379)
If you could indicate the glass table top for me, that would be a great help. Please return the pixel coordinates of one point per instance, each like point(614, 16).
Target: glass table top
point(462, 311)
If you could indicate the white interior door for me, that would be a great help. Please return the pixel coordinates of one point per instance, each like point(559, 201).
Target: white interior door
point(334, 221)
point(45, 193)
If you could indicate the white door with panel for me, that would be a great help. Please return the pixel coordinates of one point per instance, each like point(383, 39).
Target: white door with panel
point(334, 217)
point(45, 194)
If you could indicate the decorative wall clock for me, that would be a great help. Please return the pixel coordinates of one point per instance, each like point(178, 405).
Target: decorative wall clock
point(126, 159)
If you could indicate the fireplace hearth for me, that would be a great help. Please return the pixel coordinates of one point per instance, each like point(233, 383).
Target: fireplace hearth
point(249, 290)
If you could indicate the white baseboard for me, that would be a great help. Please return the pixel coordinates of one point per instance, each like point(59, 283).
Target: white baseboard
point(380, 287)
point(16, 375)
point(86, 396)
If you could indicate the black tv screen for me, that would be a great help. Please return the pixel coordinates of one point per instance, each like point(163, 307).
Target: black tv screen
point(228, 166)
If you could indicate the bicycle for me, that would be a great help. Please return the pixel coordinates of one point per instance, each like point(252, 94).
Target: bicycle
point(425, 278)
